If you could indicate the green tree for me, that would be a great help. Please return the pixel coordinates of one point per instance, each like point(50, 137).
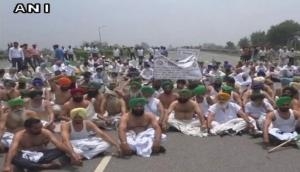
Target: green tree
point(258, 38)
point(244, 42)
point(230, 45)
point(281, 34)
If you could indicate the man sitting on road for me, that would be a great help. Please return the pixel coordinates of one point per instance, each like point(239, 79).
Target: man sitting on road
point(284, 121)
point(185, 115)
point(11, 121)
point(76, 135)
point(222, 117)
point(139, 131)
point(28, 149)
point(257, 109)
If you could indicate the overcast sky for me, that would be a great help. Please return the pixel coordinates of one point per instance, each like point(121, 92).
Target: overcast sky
point(157, 22)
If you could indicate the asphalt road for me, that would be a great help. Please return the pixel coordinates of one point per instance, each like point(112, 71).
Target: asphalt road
point(193, 154)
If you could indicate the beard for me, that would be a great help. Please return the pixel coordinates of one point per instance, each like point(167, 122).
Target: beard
point(137, 112)
point(182, 100)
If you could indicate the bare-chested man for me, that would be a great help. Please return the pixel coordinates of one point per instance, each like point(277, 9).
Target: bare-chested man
point(167, 97)
point(11, 121)
point(42, 107)
point(294, 94)
point(28, 149)
point(61, 89)
point(137, 128)
point(10, 91)
point(185, 115)
point(76, 101)
point(113, 107)
point(38, 84)
point(257, 88)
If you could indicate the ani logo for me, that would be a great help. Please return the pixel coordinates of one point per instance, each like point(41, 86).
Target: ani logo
point(30, 8)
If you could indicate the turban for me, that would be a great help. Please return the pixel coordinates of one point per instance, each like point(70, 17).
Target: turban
point(295, 85)
point(259, 79)
point(284, 100)
point(22, 80)
point(134, 102)
point(135, 83)
point(82, 112)
point(147, 90)
point(223, 96)
point(257, 86)
point(94, 85)
point(285, 81)
point(166, 84)
point(76, 91)
point(37, 82)
point(199, 90)
point(185, 93)
point(296, 79)
point(227, 88)
point(64, 82)
point(15, 102)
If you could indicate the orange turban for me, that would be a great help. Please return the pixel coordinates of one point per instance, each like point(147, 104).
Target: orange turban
point(64, 82)
point(223, 96)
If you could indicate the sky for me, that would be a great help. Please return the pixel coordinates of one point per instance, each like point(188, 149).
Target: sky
point(130, 22)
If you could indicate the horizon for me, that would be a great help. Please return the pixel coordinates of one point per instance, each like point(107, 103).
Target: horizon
point(130, 22)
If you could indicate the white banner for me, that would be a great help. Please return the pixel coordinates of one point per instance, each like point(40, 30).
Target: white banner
point(187, 68)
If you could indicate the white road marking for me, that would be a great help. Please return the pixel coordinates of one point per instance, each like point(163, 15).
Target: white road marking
point(103, 163)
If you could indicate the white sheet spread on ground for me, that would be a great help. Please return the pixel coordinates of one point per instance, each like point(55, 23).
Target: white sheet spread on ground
point(188, 127)
point(282, 135)
point(32, 156)
point(7, 139)
point(89, 147)
point(142, 142)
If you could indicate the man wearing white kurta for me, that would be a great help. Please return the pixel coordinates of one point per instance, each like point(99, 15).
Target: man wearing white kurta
point(222, 117)
point(257, 109)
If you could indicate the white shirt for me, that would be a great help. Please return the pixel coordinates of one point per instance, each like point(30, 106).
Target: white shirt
point(116, 53)
point(140, 52)
point(246, 69)
point(257, 111)
point(56, 67)
point(224, 115)
point(70, 51)
point(15, 53)
point(261, 68)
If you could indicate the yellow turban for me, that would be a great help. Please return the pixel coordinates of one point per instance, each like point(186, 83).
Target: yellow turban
point(82, 112)
point(223, 96)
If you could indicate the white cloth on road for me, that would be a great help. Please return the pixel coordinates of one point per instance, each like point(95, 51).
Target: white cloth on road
point(237, 125)
point(142, 142)
point(89, 147)
point(282, 135)
point(188, 127)
point(32, 156)
point(6, 139)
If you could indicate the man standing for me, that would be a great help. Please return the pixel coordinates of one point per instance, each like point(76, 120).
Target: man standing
point(28, 56)
point(36, 55)
point(16, 56)
point(59, 53)
point(70, 53)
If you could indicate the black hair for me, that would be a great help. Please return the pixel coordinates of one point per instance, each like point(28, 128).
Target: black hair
point(181, 81)
point(230, 80)
point(28, 123)
point(294, 91)
point(34, 93)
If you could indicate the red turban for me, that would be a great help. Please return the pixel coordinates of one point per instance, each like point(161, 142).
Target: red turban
point(77, 91)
